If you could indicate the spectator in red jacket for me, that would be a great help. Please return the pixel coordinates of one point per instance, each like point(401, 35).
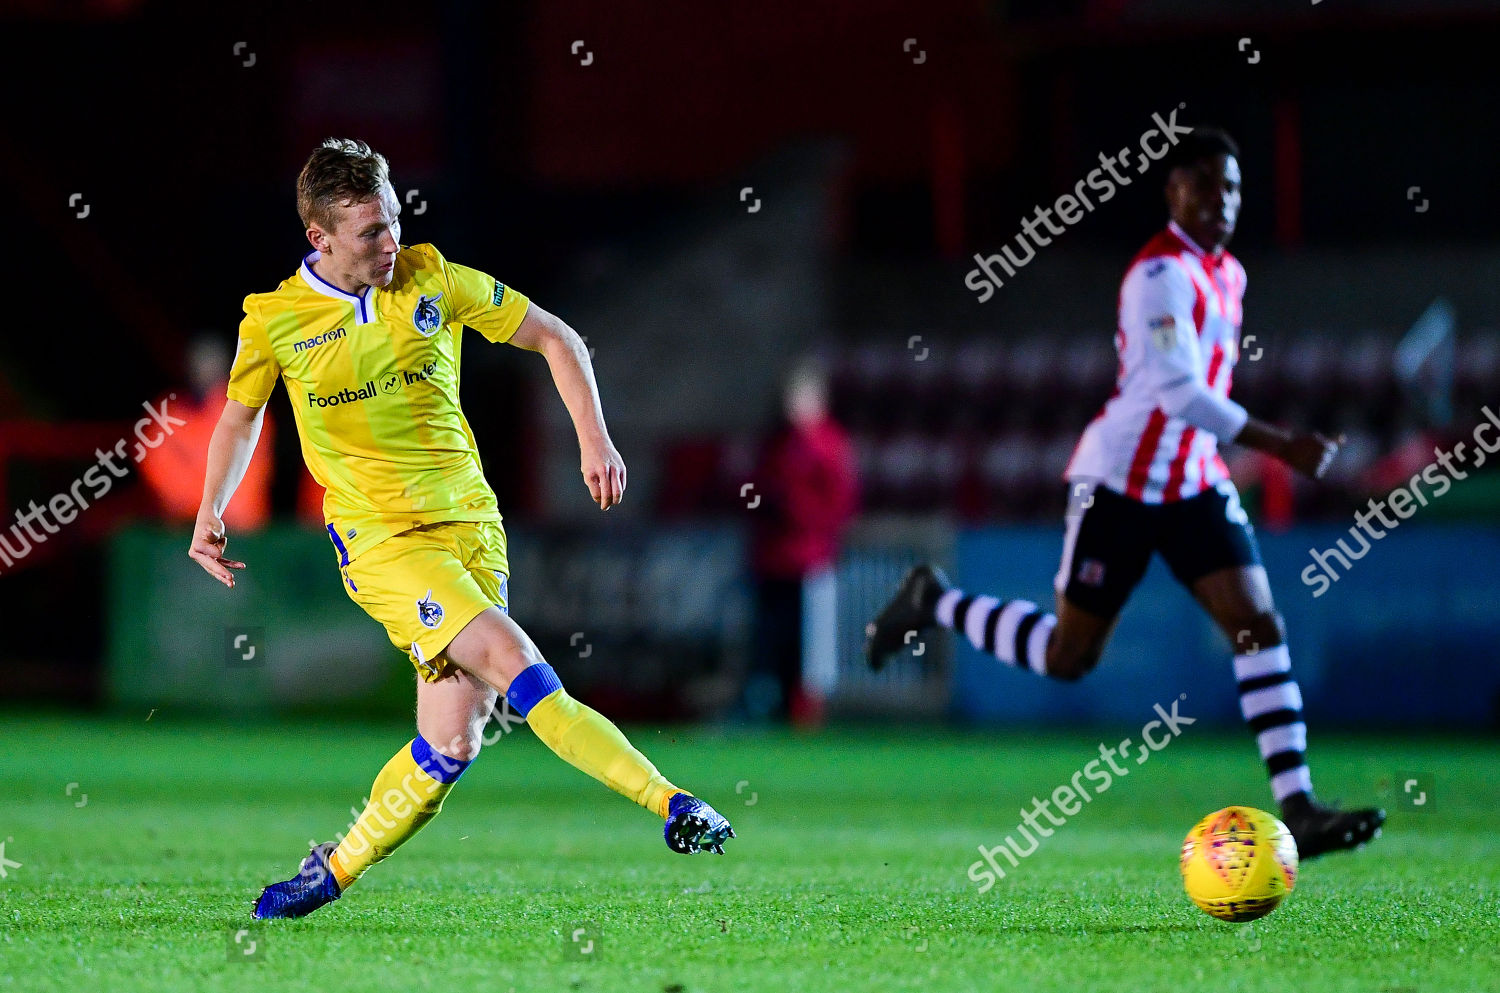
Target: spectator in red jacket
point(809, 492)
point(173, 473)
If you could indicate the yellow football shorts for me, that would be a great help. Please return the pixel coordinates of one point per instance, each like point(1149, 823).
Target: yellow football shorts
point(425, 584)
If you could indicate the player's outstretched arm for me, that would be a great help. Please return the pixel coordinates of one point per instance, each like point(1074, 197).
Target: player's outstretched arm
point(229, 453)
point(1309, 452)
point(568, 358)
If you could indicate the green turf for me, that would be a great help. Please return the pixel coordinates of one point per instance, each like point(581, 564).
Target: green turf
point(849, 872)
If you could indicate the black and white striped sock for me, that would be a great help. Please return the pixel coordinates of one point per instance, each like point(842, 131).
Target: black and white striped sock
point(1272, 705)
point(1015, 632)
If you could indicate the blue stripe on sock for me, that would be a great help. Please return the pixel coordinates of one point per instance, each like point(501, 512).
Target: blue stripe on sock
point(443, 768)
point(528, 689)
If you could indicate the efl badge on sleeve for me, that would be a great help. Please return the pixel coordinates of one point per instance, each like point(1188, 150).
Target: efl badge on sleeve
point(1163, 332)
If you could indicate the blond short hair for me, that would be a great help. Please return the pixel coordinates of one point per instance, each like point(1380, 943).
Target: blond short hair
point(339, 172)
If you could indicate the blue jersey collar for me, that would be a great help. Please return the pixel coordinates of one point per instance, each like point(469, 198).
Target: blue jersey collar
point(364, 303)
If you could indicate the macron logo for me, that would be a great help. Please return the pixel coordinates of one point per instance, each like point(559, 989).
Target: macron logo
point(318, 339)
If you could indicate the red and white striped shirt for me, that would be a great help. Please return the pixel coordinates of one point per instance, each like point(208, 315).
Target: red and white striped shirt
point(1156, 438)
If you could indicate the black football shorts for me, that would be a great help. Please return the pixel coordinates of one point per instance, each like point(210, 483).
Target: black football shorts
point(1110, 539)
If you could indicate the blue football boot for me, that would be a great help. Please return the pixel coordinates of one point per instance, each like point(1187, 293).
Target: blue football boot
point(693, 826)
point(313, 886)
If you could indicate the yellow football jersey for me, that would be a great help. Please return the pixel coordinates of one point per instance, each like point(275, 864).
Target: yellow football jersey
point(373, 381)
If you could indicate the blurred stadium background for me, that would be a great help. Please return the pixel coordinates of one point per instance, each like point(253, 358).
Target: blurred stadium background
point(713, 194)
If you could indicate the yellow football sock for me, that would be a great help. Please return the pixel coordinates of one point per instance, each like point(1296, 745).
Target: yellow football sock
point(407, 794)
point(586, 739)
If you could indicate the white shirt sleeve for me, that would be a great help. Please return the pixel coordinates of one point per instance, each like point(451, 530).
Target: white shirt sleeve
point(1156, 308)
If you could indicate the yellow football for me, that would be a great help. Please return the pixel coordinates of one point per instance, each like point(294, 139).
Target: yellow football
point(1239, 863)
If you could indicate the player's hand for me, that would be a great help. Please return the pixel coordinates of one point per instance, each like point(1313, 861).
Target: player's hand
point(604, 472)
point(1311, 453)
point(209, 542)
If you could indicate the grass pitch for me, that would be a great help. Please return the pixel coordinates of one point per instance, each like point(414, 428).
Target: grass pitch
point(850, 871)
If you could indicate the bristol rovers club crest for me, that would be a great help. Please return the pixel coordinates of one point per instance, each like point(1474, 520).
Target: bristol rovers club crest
point(426, 317)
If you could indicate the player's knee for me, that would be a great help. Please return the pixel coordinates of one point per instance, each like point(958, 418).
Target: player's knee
point(503, 659)
point(520, 657)
point(1256, 631)
point(457, 750)
point(1071, 661)
point(464, 747)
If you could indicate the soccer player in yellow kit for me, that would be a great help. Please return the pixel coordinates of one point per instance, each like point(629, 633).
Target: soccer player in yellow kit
point(366, 336)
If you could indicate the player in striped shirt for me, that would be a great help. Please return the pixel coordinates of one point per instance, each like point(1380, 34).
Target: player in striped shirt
point(1146, 477)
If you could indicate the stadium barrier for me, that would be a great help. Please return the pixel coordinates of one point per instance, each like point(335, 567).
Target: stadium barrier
point(652, 623)
point(655, 623)
point(1409, 637)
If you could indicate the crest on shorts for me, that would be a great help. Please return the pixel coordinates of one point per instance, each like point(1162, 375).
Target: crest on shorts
point(429, 611)
point(1091, 572)
point(426, 317)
